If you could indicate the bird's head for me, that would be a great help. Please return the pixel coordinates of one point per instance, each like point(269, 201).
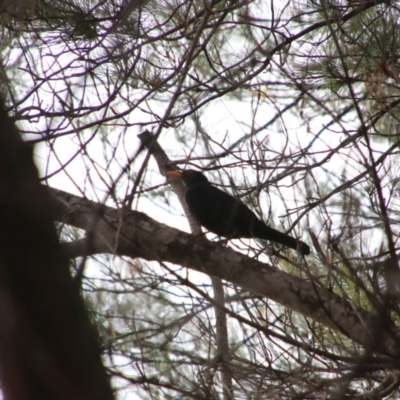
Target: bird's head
point(190, 177)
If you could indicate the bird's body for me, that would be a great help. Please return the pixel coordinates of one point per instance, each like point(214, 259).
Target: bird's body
point(224, 215)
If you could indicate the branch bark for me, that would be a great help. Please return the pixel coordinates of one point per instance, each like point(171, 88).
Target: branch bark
point(48, 348)
point(138, 235)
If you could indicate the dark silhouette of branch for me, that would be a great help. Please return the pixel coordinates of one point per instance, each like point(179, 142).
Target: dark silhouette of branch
point(48, 348)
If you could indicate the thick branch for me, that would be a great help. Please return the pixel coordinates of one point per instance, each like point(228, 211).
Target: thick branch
point(134, 234)
point(48, 348)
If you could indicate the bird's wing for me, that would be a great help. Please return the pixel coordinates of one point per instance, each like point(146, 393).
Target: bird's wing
point(227, 216)
point(219, 212)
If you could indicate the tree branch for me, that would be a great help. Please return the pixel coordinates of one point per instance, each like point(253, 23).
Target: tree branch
point(48, 348)
point(138, 235)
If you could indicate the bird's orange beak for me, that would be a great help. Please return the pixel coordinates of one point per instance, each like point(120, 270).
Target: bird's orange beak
point(175, 174)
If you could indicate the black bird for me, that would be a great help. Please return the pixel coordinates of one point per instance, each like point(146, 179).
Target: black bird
point(223, 214)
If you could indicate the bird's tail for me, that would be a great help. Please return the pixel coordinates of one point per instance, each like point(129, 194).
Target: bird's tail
point(263, 231)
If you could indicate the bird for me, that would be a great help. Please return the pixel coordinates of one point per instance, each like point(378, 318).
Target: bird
point(227, 216)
